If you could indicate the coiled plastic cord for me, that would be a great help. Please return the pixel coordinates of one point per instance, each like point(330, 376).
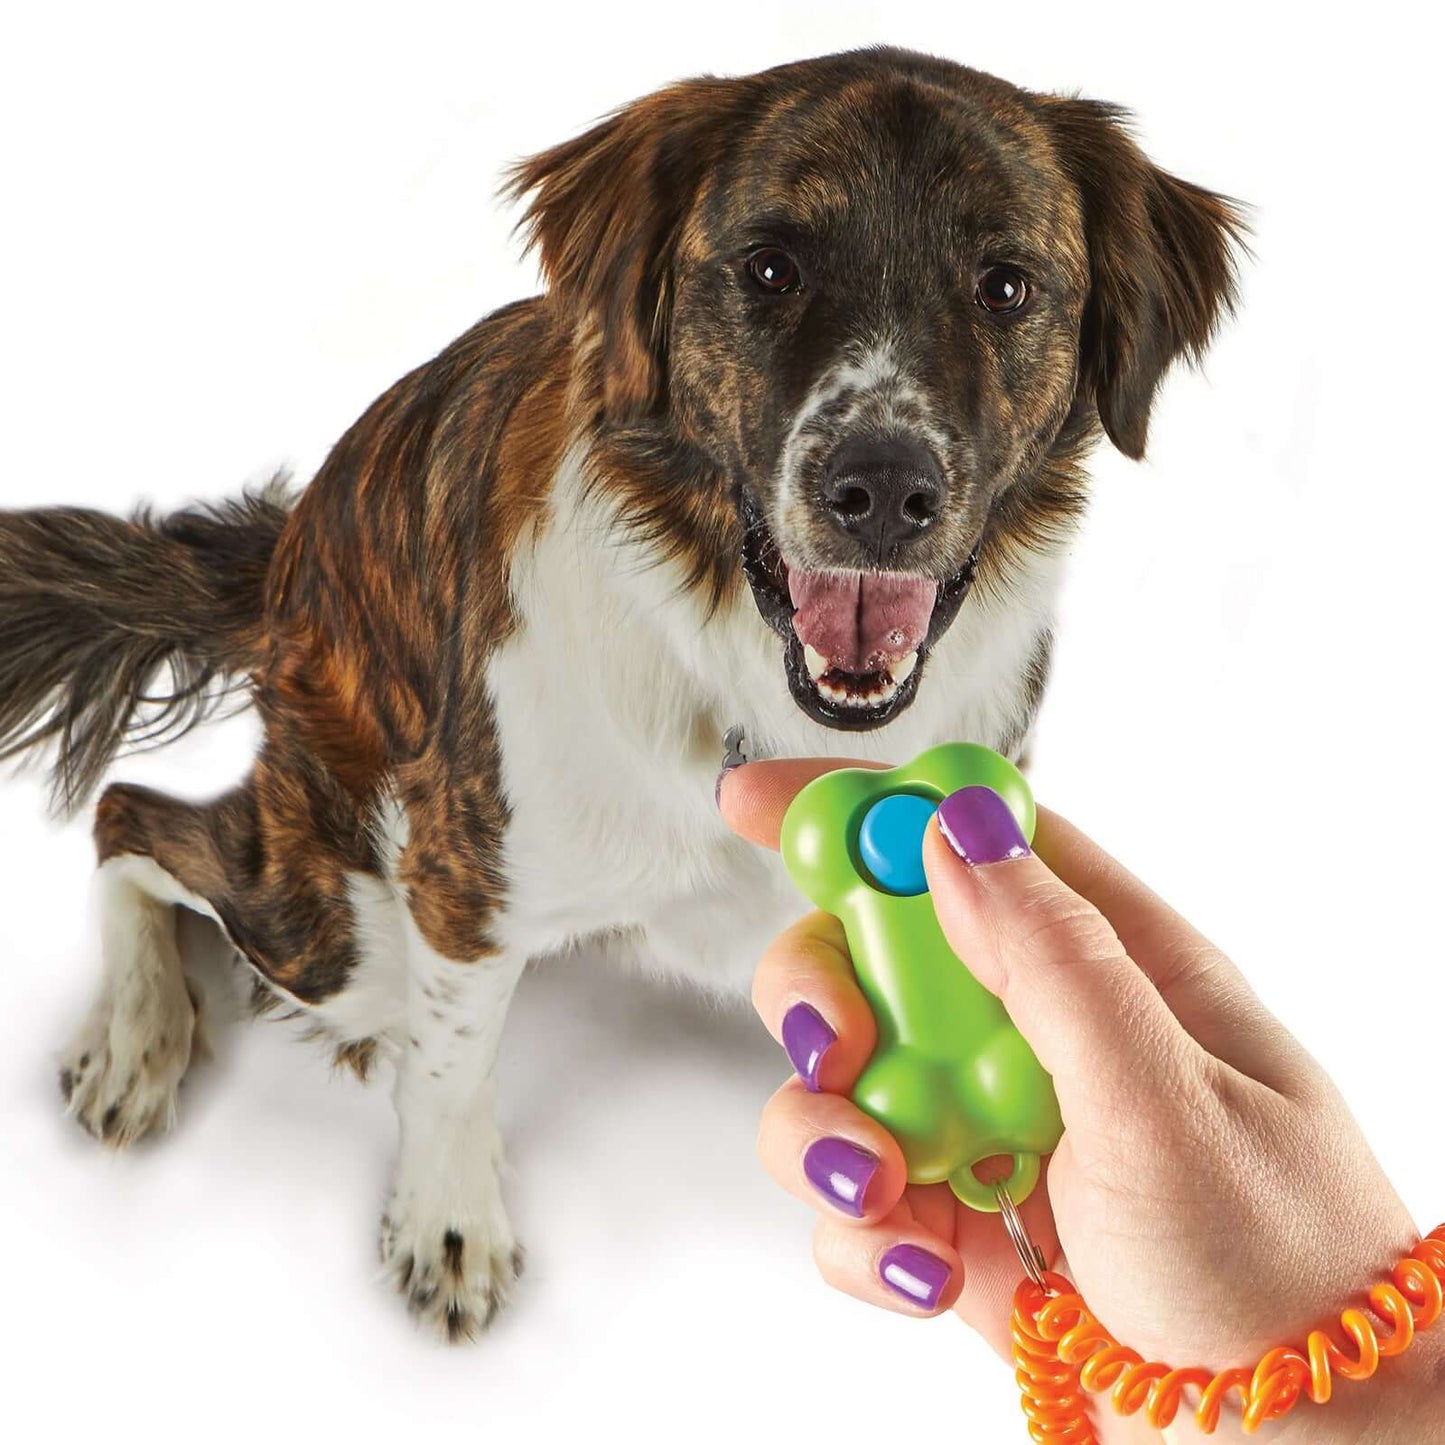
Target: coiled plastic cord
point(1063, 1355)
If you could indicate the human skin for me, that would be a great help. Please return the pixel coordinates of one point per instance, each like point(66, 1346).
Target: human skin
point(1211, 1196)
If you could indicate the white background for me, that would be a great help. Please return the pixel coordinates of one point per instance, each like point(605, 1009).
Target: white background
point(228, 228)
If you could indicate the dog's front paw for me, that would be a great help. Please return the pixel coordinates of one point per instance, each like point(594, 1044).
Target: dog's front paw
point(121, 1075)
point(454, 1268)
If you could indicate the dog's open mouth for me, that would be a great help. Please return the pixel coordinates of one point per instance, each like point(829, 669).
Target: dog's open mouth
point(855, 642)
point(860, 632)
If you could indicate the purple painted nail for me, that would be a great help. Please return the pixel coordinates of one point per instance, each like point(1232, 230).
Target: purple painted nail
point(980, 827)
point(840, 1171)
point(915, 1274)
point(807, 1037)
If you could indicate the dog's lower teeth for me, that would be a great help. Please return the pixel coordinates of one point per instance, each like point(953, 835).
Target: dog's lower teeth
point(850, 690)
point(879, 690)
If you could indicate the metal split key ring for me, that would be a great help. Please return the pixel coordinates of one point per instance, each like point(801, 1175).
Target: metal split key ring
point(1030, 1255)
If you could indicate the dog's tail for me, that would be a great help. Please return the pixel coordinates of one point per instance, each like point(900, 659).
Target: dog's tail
point(117, 632)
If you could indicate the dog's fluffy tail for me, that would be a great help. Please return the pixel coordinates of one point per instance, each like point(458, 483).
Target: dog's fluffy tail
point(117, 632)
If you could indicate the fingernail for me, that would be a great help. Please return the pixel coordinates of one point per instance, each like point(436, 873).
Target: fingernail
point(807, 1037)
point(840, 1171)
point(722, 775)
point(980, 827)
point(915, 1274)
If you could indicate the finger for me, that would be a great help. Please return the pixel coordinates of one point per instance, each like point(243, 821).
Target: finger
point(933, 1206)
point(1201, 986)
point(983, 1267)
point(754, 796)
point(896, 1263)
point(1096, 1022)
point(825, 1151)
point(806, 994)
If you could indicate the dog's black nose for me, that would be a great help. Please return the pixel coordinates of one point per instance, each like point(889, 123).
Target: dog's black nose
point(883, 491)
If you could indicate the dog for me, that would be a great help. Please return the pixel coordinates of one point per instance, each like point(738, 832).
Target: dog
point(794, 442)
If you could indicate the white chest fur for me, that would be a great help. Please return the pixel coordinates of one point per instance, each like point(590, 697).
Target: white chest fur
point(611, 700)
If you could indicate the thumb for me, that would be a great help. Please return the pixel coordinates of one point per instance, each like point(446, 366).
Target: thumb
point(1095, 1020)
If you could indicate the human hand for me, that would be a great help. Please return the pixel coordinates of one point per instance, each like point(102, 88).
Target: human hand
point(1211, 1195)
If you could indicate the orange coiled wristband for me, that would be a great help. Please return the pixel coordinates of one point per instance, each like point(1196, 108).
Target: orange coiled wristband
point(1064, 1354)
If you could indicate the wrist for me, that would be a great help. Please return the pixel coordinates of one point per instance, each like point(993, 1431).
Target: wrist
point(1402, 1403)
point(1406, 1405)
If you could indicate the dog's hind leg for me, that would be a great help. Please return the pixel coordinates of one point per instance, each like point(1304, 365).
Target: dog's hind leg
point(121, 1074)
point(280, 870)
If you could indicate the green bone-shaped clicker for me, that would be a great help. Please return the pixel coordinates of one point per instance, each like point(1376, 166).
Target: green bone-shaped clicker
point(951, 1078)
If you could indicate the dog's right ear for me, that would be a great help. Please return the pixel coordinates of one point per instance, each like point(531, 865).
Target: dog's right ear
point(1161, 262)
point(605, 213)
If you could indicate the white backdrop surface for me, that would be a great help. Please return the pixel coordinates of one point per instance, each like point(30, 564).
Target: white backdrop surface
point(229, 227)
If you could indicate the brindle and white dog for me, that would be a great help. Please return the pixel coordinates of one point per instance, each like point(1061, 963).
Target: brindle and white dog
point(794, 440)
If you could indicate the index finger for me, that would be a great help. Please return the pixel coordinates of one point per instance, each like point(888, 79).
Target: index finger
point(754, 796)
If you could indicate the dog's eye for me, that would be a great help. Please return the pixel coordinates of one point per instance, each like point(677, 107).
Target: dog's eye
point(773, 271)
point(1000, 289)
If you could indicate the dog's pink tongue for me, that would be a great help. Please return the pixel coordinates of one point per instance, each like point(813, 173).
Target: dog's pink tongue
point(861, 621)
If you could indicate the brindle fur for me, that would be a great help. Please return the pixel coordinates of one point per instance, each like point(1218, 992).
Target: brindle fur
point(387, 590)
point(891, 176)
point(92, 606)
point(366, 635)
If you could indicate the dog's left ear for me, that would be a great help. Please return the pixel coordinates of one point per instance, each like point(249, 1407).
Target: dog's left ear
point(1161, 259)
point(605, 213)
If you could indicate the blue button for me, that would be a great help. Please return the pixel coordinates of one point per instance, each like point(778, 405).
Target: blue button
point(891, 842)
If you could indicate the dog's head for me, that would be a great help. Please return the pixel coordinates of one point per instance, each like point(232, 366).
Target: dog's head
point(888, 298)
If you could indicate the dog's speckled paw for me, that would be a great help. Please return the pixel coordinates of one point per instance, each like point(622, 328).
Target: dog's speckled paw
point(121, 1075)
point(454, 1277)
